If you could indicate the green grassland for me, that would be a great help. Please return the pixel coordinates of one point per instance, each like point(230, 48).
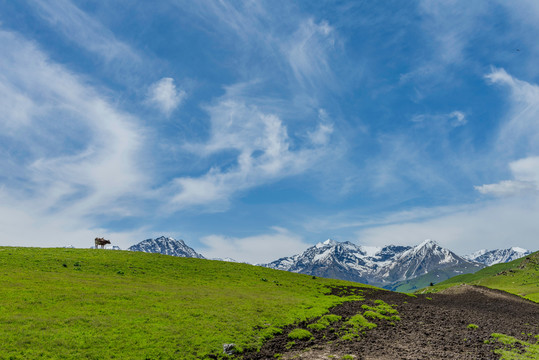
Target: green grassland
point(520, 277)
point(98, 304)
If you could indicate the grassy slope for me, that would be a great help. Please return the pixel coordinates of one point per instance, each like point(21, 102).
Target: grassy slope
point(519, 277)
point(96, 304)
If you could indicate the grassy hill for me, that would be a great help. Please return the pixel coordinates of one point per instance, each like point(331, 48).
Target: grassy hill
point(97, 304)
point(520, 277)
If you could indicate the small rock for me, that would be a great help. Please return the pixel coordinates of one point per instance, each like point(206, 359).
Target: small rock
point(229, 349)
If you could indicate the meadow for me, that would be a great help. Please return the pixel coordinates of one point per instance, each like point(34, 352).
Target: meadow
point(100, 304)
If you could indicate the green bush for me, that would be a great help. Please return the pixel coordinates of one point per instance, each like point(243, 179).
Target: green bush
point(359, 322)
point(317, 326)
point(354, 326)
point(324, 322)
point(300, 334)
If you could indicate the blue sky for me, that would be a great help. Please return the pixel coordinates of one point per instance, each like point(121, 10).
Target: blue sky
point(255, 129)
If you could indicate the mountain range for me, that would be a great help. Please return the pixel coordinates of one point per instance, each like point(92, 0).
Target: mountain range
point(377, 266)
point(395, 267)
point(493, 257)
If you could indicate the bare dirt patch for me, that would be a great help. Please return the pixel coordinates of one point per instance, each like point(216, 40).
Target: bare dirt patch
point(433, 326)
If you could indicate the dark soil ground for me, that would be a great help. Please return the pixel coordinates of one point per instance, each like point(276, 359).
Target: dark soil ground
point(433, 326)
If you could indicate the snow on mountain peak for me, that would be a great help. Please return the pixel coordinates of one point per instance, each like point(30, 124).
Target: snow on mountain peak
point(345, 260)
point(428, 242)
point(388, 265)
point(328, 242)
point(371, 251)
point(475, 254)
point(493, 257)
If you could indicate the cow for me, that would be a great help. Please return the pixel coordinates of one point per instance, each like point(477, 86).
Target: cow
point(102, 242)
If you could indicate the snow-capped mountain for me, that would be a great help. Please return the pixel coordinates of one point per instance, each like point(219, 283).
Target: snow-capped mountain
point(421, 259)
point(328, 259)
point(379, 266)
point(166, 246)
point(493, 257)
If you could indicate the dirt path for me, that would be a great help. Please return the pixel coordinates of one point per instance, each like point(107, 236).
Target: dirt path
point(431, 327)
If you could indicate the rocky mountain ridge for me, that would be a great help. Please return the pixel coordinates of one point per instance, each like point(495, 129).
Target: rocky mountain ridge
point(494, 257)
point(166, 246)
point(378, 266)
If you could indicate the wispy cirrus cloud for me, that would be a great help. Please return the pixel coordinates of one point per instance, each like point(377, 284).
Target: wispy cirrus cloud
point(308, 53)
point(519, 133)
point(300, 48)
point(454, 119)
point(84, 30)
point(446, 46)
point(72, 154)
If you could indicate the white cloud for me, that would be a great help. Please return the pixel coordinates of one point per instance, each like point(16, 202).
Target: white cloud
point(306, 50)
point(257, 249)
point(458, 118)
point(518, 134)
point(322, 134)
point(526, 169)
point(17, 108)
point(448, 40)
point(520, 131)
point(71, 155)
point(507, 188)
point(526, 180)
point(264, 155)
point(164, 95)
point(498, 224)
point(83, 30)
point(308, 53)
point(244, 20)
point(23, 224)
point(454, 119)
point(448, 27)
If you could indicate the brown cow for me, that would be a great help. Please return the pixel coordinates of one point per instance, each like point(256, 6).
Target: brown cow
point(102, 242)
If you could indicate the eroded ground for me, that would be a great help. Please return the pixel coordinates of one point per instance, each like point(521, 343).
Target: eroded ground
point(434, 326)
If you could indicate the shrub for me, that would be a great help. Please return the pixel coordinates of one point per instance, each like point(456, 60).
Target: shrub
point(381, 308)
point(324, 322)
point(270, 332)
point(472, 326)
point(300, 334)
point(355, 325)
point(329, 319)
point(316, 326)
